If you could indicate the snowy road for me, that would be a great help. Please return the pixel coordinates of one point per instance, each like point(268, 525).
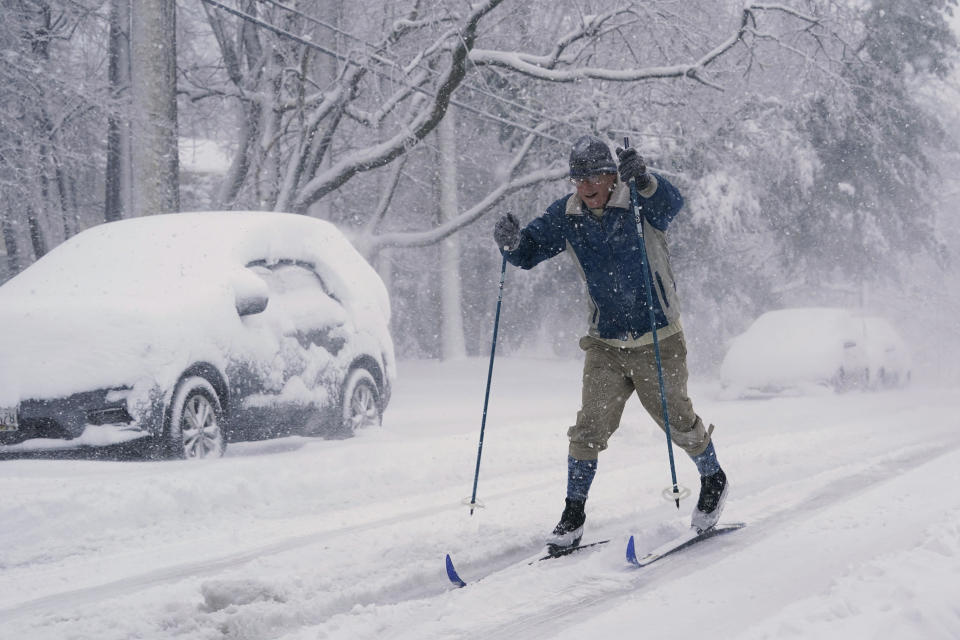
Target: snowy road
point(851, 500)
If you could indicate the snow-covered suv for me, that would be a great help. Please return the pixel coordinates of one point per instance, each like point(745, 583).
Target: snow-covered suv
point(191, 329)
point(804, 350)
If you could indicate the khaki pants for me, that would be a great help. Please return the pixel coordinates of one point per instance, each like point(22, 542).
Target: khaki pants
point(612, 374)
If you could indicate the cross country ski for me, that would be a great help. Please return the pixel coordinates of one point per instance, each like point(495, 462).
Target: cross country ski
point(683, 541)
point(457, 581)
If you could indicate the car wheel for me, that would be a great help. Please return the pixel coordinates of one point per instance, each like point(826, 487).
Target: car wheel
point(196, 427)
point(360, 404)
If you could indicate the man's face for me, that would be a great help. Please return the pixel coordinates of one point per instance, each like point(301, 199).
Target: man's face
point(594, 191)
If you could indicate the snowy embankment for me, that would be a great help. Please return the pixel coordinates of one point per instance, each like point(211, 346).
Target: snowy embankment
point(851, 500)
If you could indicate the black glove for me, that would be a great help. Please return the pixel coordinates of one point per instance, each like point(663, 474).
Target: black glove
point(507, 232)
point(633, 166)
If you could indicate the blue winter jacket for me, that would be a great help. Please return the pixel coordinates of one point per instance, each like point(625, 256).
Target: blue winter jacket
point(606, 252)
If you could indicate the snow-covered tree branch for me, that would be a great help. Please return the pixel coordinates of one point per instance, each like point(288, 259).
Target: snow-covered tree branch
point(398, 90)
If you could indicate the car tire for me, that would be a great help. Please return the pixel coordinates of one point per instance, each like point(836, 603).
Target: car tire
point(360, 403)
point(195, 428)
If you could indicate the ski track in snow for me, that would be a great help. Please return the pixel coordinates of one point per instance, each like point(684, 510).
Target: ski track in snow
point(842, 495)
point(207, 567)
point(600, 593)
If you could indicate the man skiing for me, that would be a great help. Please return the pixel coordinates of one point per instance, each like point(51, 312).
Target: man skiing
point(598, 229)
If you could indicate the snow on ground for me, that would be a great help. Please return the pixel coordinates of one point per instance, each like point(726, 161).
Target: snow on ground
point(851, 503)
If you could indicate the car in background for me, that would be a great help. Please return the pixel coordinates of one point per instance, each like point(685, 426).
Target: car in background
point(805, 350)
point(184, 331)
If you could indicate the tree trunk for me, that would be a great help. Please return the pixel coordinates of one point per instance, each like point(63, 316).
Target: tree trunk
point(117, 176)
point(153, 88)
point(451, 319)
point(67, 212)
point(327, 72)
point(229, 191)
point(10, 244)
point(37, 240)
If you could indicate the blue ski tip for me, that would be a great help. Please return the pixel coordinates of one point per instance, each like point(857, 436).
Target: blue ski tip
point(631, 553)
point(452, 574)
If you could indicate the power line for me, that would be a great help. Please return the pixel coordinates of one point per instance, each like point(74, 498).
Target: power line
point(395, 64)
point(312, 45)
point(276, 30)
point(320, 22)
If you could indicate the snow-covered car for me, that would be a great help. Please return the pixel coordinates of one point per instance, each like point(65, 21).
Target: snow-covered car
point(797, 351)
point(186, 330)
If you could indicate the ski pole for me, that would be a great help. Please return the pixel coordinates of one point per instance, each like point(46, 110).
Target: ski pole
point(486, 397)
point(635, 200)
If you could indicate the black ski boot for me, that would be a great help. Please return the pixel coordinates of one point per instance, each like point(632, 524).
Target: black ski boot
point(713, 493)
point(569, 530)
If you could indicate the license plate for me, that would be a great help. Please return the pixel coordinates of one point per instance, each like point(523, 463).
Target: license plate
point(8, 419)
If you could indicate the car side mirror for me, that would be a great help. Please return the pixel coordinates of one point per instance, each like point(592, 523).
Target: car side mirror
point(251, 304)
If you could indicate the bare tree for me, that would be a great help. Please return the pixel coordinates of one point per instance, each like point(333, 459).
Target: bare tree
point(394, 87)
point(46, 143)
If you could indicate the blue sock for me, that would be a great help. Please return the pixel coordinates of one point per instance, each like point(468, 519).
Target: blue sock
point(579, 477)
point(706, 462)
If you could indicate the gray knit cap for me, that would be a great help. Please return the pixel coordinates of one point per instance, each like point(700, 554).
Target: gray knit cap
point(590, 156)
